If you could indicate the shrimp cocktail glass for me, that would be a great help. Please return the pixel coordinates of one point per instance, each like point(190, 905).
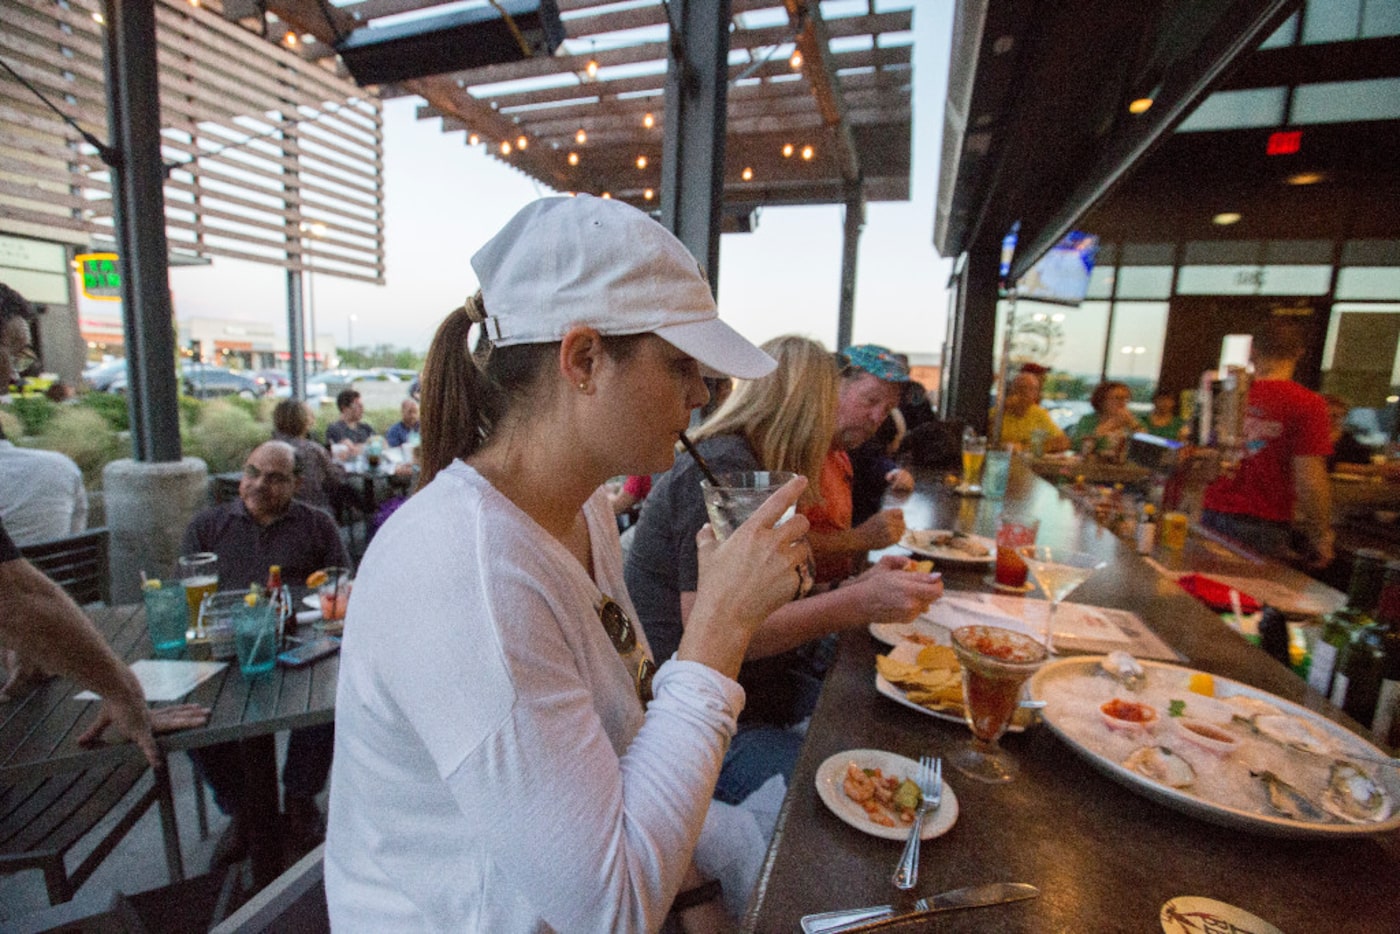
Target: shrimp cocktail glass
point(996, 663)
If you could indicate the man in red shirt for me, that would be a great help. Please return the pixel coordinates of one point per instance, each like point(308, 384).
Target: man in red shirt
point(1281, 483)
point(871, 383)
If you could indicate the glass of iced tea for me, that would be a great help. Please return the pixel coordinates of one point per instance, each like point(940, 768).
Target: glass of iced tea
point(996, 663)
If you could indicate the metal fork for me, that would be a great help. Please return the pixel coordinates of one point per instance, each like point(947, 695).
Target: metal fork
point(930, 782)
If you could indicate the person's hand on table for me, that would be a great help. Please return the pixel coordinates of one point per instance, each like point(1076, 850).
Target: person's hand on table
point(890, 593)
point(882, 529)
point(900, 480)
point(139, 724)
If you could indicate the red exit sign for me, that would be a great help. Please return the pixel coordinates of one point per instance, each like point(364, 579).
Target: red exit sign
point(1284, 143)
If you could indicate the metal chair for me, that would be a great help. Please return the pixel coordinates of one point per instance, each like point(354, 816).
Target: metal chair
point(41, 819)
point(77, 563)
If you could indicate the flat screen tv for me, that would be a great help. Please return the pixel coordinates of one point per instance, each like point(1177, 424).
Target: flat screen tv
point(1062, 275)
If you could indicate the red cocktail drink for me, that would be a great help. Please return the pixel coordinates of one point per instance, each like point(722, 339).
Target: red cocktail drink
point(1012, 533)
point(996, 663)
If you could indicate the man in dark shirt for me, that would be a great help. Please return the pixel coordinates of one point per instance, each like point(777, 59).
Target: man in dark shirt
point(407, 425)
point(263, 527)
point(349, 429)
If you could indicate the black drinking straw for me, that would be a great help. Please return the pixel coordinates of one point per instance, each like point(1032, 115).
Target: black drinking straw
point(699, 461)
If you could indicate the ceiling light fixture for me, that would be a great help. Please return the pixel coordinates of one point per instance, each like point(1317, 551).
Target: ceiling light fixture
point(641, 162)
point(592, 68)
point(787, 150)
point(1140, 106)
point(648, 194)
point(1225, 219)
point(290, 39)
point(648, 121)
point(808, 152)
point(1306, 178)
point(573, 158)
point(796, 60)
point(505, 147)
point(473, 139)
point(581, 136)
point(521, 142)
point(607, 195)
point(748, 173)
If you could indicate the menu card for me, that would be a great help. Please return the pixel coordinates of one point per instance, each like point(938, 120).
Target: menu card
point(1078, 627)
point(167, 680)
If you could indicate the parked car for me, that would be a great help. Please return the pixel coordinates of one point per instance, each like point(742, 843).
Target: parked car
point(273, 379)
point(208, 382)
point(100, 376)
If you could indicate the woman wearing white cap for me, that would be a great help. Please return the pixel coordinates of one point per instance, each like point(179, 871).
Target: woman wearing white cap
point(504, 760)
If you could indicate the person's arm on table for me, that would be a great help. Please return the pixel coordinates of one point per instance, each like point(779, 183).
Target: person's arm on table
point(879, 531)
point(1313, 509)
point(886, 593)
point(43, 625)
point(1056, 440)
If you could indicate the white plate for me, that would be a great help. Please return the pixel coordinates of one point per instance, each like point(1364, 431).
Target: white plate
point(1225, 793)
point(312, 600)
point(919, 541)
point(906, 652)
point(832, 774)
point(895, 633)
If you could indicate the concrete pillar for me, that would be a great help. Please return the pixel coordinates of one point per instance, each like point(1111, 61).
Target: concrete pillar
point(148, 506)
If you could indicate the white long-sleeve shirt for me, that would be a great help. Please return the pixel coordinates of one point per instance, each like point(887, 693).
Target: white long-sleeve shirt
point(493, 767)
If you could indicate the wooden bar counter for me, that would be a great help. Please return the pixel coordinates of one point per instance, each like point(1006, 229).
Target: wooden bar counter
point(1105, 857)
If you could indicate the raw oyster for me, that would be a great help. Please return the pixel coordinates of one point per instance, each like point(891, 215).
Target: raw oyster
point(1123, 668)
point(1162, 765)
point(1287, 801)
point(1292, 731)
point(1353, 795)
point(1247, 707)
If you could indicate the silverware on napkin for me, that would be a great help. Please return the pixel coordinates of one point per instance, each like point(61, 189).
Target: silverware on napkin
point(976, 896)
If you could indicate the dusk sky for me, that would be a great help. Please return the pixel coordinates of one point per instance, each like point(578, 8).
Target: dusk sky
point(443, 199)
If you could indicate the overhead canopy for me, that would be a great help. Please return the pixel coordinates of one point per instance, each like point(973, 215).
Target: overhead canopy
point(1037, 126)
point(592, 117)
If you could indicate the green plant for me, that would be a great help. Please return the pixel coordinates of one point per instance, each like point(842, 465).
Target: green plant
point(110, 406)
point(11, 425)
point(223, 435)
point(83, 435)
point(33, 411)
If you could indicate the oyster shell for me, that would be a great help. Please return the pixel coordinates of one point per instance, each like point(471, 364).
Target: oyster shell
point(1353, 795)
point(1287, 801)
point(1123, 668)
point(1292, 731)
point(1161, 765)
point(1246, 707)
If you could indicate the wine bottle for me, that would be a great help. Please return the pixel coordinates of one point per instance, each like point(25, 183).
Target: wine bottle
point(1338, 629)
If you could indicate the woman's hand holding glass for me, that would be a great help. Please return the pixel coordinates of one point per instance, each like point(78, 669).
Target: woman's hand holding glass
point(744, 579)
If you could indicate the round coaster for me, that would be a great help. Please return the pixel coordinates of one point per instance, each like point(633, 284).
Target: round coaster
point(1191, 914)
point(1027, 587)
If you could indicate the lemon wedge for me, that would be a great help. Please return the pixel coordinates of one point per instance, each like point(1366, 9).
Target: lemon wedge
point(317, 578)
point(151, 583)
point(1201, 683)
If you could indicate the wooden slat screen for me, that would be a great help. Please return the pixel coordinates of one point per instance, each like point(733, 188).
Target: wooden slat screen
point(273, 159)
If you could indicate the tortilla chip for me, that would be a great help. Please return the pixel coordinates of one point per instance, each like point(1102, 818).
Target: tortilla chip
point(915, 678)
point(938, 658)
point(920, 567)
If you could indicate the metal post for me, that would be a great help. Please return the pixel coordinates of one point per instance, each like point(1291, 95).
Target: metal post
point(970, 386)
point(850, 252)
point(296, 342)
point(138, 210)
point(692, 160)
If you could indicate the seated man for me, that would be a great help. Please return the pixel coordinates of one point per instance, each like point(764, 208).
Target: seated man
point(401, 431)
point(349, 429)
point(263, 527)
point(42, 496)
point(870, 388)
point(1024, 415)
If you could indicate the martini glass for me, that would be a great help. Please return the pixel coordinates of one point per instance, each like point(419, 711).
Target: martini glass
point(995, 662)
point(1058, 572)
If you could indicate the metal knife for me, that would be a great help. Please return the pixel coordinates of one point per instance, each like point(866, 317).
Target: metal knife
point(976, 896)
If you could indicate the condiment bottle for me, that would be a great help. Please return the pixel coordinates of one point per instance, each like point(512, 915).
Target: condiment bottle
point(1147, 530)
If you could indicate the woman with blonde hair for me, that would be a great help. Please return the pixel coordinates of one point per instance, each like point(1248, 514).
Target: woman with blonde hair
point(505, 759)
point(783, 421)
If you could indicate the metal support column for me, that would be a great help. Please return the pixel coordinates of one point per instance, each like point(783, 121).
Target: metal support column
point(692, 160)
point(296, 339)
point(970, 384)
point(850, 252)
point(138, 210)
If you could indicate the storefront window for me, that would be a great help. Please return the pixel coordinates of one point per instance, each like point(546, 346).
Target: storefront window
point(1135, 346)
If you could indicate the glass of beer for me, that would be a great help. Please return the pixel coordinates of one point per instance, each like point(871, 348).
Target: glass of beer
point(974, 453)
point(200, 575)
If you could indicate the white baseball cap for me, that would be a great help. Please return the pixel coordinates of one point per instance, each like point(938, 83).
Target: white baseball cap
point(599, 263)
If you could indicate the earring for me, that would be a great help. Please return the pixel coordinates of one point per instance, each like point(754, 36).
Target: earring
point(583, 385)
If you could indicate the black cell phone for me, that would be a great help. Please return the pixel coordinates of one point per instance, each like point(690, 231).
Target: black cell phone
point(308, 652)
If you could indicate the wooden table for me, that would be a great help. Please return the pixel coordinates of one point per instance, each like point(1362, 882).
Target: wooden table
point(1104, 857)
point(38, 734)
